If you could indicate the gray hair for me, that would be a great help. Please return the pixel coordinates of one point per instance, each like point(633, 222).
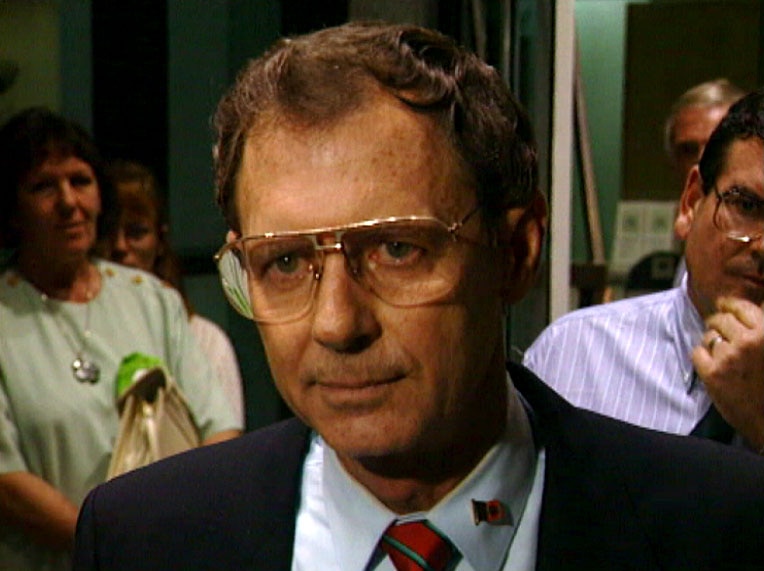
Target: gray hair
point(715, 93)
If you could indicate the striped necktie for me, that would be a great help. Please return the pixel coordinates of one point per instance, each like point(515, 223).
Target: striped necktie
point(418, 546)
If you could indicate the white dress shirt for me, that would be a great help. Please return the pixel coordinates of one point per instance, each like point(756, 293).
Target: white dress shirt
point(339, 522)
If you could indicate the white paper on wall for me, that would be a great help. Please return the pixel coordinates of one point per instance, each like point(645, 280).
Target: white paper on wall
point(642, 227)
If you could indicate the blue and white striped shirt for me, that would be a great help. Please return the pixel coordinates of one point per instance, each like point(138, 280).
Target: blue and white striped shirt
point(628, 359)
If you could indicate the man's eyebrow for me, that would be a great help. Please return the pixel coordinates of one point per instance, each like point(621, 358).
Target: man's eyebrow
point(745, 190)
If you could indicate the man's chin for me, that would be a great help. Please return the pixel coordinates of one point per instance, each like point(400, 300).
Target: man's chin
point(750, 288)
point(366, 438)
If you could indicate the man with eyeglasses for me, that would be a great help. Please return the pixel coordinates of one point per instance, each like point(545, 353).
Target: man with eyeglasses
point(689, 360)
point(692, 119)
point(380, 186)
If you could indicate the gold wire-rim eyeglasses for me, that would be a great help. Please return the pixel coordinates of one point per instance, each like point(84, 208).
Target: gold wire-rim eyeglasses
point(723, 199)
point(239, 273)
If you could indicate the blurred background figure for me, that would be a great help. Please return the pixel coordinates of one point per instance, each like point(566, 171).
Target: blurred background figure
point(688, 360)
point(142, 241)
point(67, 321)
point(692, 119)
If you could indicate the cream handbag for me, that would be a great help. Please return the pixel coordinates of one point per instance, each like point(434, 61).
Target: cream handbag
point(155, 422)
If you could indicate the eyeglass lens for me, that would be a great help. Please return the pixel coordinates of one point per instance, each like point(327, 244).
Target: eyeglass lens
point(740, 214)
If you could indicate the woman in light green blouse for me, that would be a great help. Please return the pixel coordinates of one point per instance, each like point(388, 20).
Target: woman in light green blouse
point(67, 319)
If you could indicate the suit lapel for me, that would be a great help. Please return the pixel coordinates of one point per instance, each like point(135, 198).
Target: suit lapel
point(275, 480)
point(586, 504)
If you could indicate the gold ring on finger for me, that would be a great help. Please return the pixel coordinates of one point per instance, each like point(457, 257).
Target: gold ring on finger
point(711, 344)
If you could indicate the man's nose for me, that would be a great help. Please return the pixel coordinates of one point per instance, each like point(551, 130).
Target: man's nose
point(343, 316)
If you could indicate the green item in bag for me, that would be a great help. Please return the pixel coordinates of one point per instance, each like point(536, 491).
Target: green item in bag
point(131, 368)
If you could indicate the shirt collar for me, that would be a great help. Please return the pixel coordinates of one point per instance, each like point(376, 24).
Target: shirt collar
point(688, 331)
point(505, 474)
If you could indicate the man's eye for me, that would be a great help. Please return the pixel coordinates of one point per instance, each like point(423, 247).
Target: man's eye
point(396, 253)
point(746, 204)
point(286, 264)
point(280, 264)
point(398, 250)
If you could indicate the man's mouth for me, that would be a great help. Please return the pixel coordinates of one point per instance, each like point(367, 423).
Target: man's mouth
point(356, 393)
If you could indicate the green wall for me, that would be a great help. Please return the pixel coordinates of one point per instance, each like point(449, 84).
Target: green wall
point(601, 36)
point(208, 43)
point(30, 37)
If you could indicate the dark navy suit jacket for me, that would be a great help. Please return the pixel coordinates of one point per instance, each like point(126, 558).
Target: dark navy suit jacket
point(615, 497)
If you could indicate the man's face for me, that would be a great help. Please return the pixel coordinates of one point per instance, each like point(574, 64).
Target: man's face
point(373, 379)
point(718, 265)
point(693, 126)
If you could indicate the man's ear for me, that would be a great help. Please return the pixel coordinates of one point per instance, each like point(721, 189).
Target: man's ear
point(692, 193)
point(521, 240)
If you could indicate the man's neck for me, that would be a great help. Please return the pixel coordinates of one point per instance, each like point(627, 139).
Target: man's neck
point(419, 479)
point(704, 306)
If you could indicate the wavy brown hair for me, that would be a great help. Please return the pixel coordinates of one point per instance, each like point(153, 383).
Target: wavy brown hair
point(316, 79)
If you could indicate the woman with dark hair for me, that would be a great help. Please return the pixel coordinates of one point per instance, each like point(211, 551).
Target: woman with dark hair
point(68, 319)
